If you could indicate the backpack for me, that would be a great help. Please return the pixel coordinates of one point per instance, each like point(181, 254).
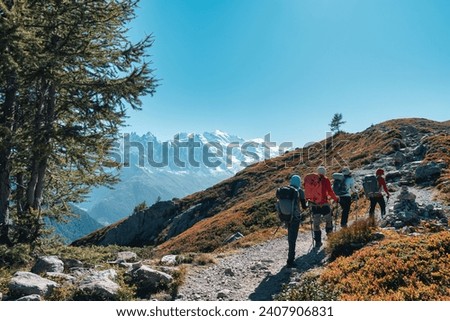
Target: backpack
point(339, 186)
point(370, 185)
point(313, 188)
point(287, 197)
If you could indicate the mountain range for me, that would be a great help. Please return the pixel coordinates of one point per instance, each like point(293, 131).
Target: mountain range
point(153, 170)
point(413, 152)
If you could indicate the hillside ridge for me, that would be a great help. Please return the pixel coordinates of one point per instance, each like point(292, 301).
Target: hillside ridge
point(245, 202)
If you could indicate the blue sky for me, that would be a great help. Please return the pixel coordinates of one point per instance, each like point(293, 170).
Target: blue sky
point(284, 67)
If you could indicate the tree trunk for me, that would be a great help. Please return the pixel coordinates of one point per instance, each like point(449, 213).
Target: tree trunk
point(7, 121)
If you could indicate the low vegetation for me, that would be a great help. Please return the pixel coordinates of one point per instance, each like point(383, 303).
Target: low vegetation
point(347, 240)
point(399, 268)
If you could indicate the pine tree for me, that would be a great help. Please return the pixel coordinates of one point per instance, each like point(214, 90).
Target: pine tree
point(336, 123)
point(68, 74)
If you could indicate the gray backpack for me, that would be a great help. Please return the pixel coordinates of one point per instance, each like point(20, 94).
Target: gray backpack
point(339, 186)
point(287, 197)
point(370, 185)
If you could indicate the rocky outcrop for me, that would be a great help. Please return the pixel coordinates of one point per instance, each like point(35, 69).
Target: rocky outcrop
point(148, 280)
point(87, 283)
point(99, 285)
point(141, 228)
point(46, 264)
point(429, 172)
point(27, 283)
point(407, 212)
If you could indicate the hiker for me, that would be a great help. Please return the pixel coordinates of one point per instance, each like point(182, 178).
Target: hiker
point(293, 223)
point(377, 197)
point(321, 206)
point(345, 196)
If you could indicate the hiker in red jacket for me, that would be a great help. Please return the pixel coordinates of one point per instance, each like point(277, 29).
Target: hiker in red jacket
point(322, 207)
point(378, 198)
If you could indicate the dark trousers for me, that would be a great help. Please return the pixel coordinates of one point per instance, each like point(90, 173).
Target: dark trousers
point(345, 202)
point(292, 239)
point(373, 203)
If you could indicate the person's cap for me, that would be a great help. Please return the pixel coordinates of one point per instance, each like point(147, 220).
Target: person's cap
point(321, 170)
point(379, 172)
point(296, 181)
point(346, 171)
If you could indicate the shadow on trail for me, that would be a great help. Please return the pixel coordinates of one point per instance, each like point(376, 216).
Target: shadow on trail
point(272, 284)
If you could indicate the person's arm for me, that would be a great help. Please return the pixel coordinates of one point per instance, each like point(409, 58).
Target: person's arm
point(352, 186)
point(302, 199)
point(383, 184)
point(330, 191)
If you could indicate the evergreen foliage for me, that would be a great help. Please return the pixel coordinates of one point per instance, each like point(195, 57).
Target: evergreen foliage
point(336, 122)
point(68, 73)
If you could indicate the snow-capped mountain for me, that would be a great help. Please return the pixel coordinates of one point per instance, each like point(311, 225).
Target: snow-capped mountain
point(155, 170)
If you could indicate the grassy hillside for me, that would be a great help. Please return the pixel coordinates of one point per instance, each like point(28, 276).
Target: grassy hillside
point(245, 203)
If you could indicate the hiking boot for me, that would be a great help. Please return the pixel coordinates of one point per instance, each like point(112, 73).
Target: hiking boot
point(317, 239)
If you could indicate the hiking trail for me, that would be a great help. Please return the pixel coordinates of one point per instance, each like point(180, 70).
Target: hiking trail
point(257, 273)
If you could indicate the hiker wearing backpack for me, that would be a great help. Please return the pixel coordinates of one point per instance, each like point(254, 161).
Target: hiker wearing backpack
point(344, 187)
point(318, 194)
point(377, 197)
point(290, 198)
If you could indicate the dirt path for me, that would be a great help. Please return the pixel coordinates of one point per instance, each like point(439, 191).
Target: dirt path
point(255, 273)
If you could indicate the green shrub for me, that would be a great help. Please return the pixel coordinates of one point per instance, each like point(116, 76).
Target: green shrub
point(345, 241)
point(18, 255)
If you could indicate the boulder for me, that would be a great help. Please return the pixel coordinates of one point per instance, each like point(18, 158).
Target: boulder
point(27, 283)
point(99, 285)
point(169, 260)
point(32, 297)
point(148, 279)
point(46, 264)
point(127, 256)
point(428, 172)
point(72, 263)
point(99, 289)
point(419, 150)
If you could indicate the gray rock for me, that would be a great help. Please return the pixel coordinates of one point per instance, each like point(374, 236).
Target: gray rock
point(224, 294)
point(127, 256)
point(169, 260)
point(72, 263)
point(398, 224)
point(419, 150)
point(148, 278)
point(427, 172)
point(31, 297)
point(236, 236)
point(394, 175)
point(46, 264)
point(99, 288)
point(27, 283)
point(229, 272)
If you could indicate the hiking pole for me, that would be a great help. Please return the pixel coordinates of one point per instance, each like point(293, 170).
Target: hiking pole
point(311, 222)
point(336, 209)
